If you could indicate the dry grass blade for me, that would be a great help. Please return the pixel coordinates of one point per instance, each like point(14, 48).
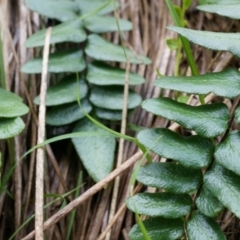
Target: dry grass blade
point(39, 192)
point(97, 187)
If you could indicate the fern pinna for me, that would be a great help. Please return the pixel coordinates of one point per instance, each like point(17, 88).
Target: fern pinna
point(202, 174)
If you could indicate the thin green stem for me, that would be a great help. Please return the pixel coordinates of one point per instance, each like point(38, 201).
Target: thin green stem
point(185, 43)
point(2, 69)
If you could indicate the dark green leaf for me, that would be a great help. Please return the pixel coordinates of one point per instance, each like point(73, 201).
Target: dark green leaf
point(228, 152)
point(194, 151)
point(86, 6)
point(228, 10)
point(11, 105)
point(100, 49)
point(208, 204)
point(111, 97)
point(225, 83)
point(169, 205)
point(201, 227)
point(237, 115)
point(60, 10)
point(65, 91)
point(207, 120)
point(99, 24)
point(10, 127)
point(224, 185)
point(67, 113)
point(112, 115)
point(96, 152)
point(213, 40)
point(170, 176)
point(62, 61)
point(66, 32)
point(159, 229)
point(103, 74)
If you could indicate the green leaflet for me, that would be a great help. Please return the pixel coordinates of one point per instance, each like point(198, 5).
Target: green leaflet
point(228, 10)
point(228, 152)
point(200, 227)
point(86, 6)
point(207, 120)
point(67, 113)
point(224, 185)
point(111, 97)
point(100, 49)
point(96, 152)
point(65, 91)
point(61, 10)
point(62, 61)
point(112, 115)
point(10, 127)
point(166, 204)
point(170, 176)
point(216, 41)
point(70, 31)
point(237, 114)
point(225, 83)
point(102, 74)
point(11, 105)
point(208, 204)
point(99, 24)
point(159, 229)
point(194, 151)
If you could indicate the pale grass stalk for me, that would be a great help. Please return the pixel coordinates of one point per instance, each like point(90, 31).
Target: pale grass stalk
point(121, 147)
point(86, 195)
point(39, 191)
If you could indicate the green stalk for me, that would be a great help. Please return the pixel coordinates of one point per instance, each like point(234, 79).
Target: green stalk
point(2, 69)
point(185, 44)
point(73, 213)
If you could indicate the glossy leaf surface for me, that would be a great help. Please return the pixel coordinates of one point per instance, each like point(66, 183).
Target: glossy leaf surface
point(100, 49)
point(65, 91)
point(169, 205)
point(86, 6)
point(61, 10)
point(159, 229)
point(70, 31)
point(170, 176)
point(11, 105)
point(208, 204)
point(112, 115)
point(62, 61)
point(194, 151)
point(228, 152)
point(225, 83)
point(96, 152)
point(10, 127)
point(99, 24)
point(67, 113)
point(207, 120)
point(224, 185)
point(237, 115)
point(200, 227)
point(103, 74)
point(213, 40)
point(228, 10)
point(111, 97)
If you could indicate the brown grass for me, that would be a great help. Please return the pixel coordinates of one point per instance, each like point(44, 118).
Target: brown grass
point(62, 166)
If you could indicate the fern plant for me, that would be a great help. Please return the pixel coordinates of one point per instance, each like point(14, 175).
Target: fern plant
point(98, 84)
point(201, 176)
